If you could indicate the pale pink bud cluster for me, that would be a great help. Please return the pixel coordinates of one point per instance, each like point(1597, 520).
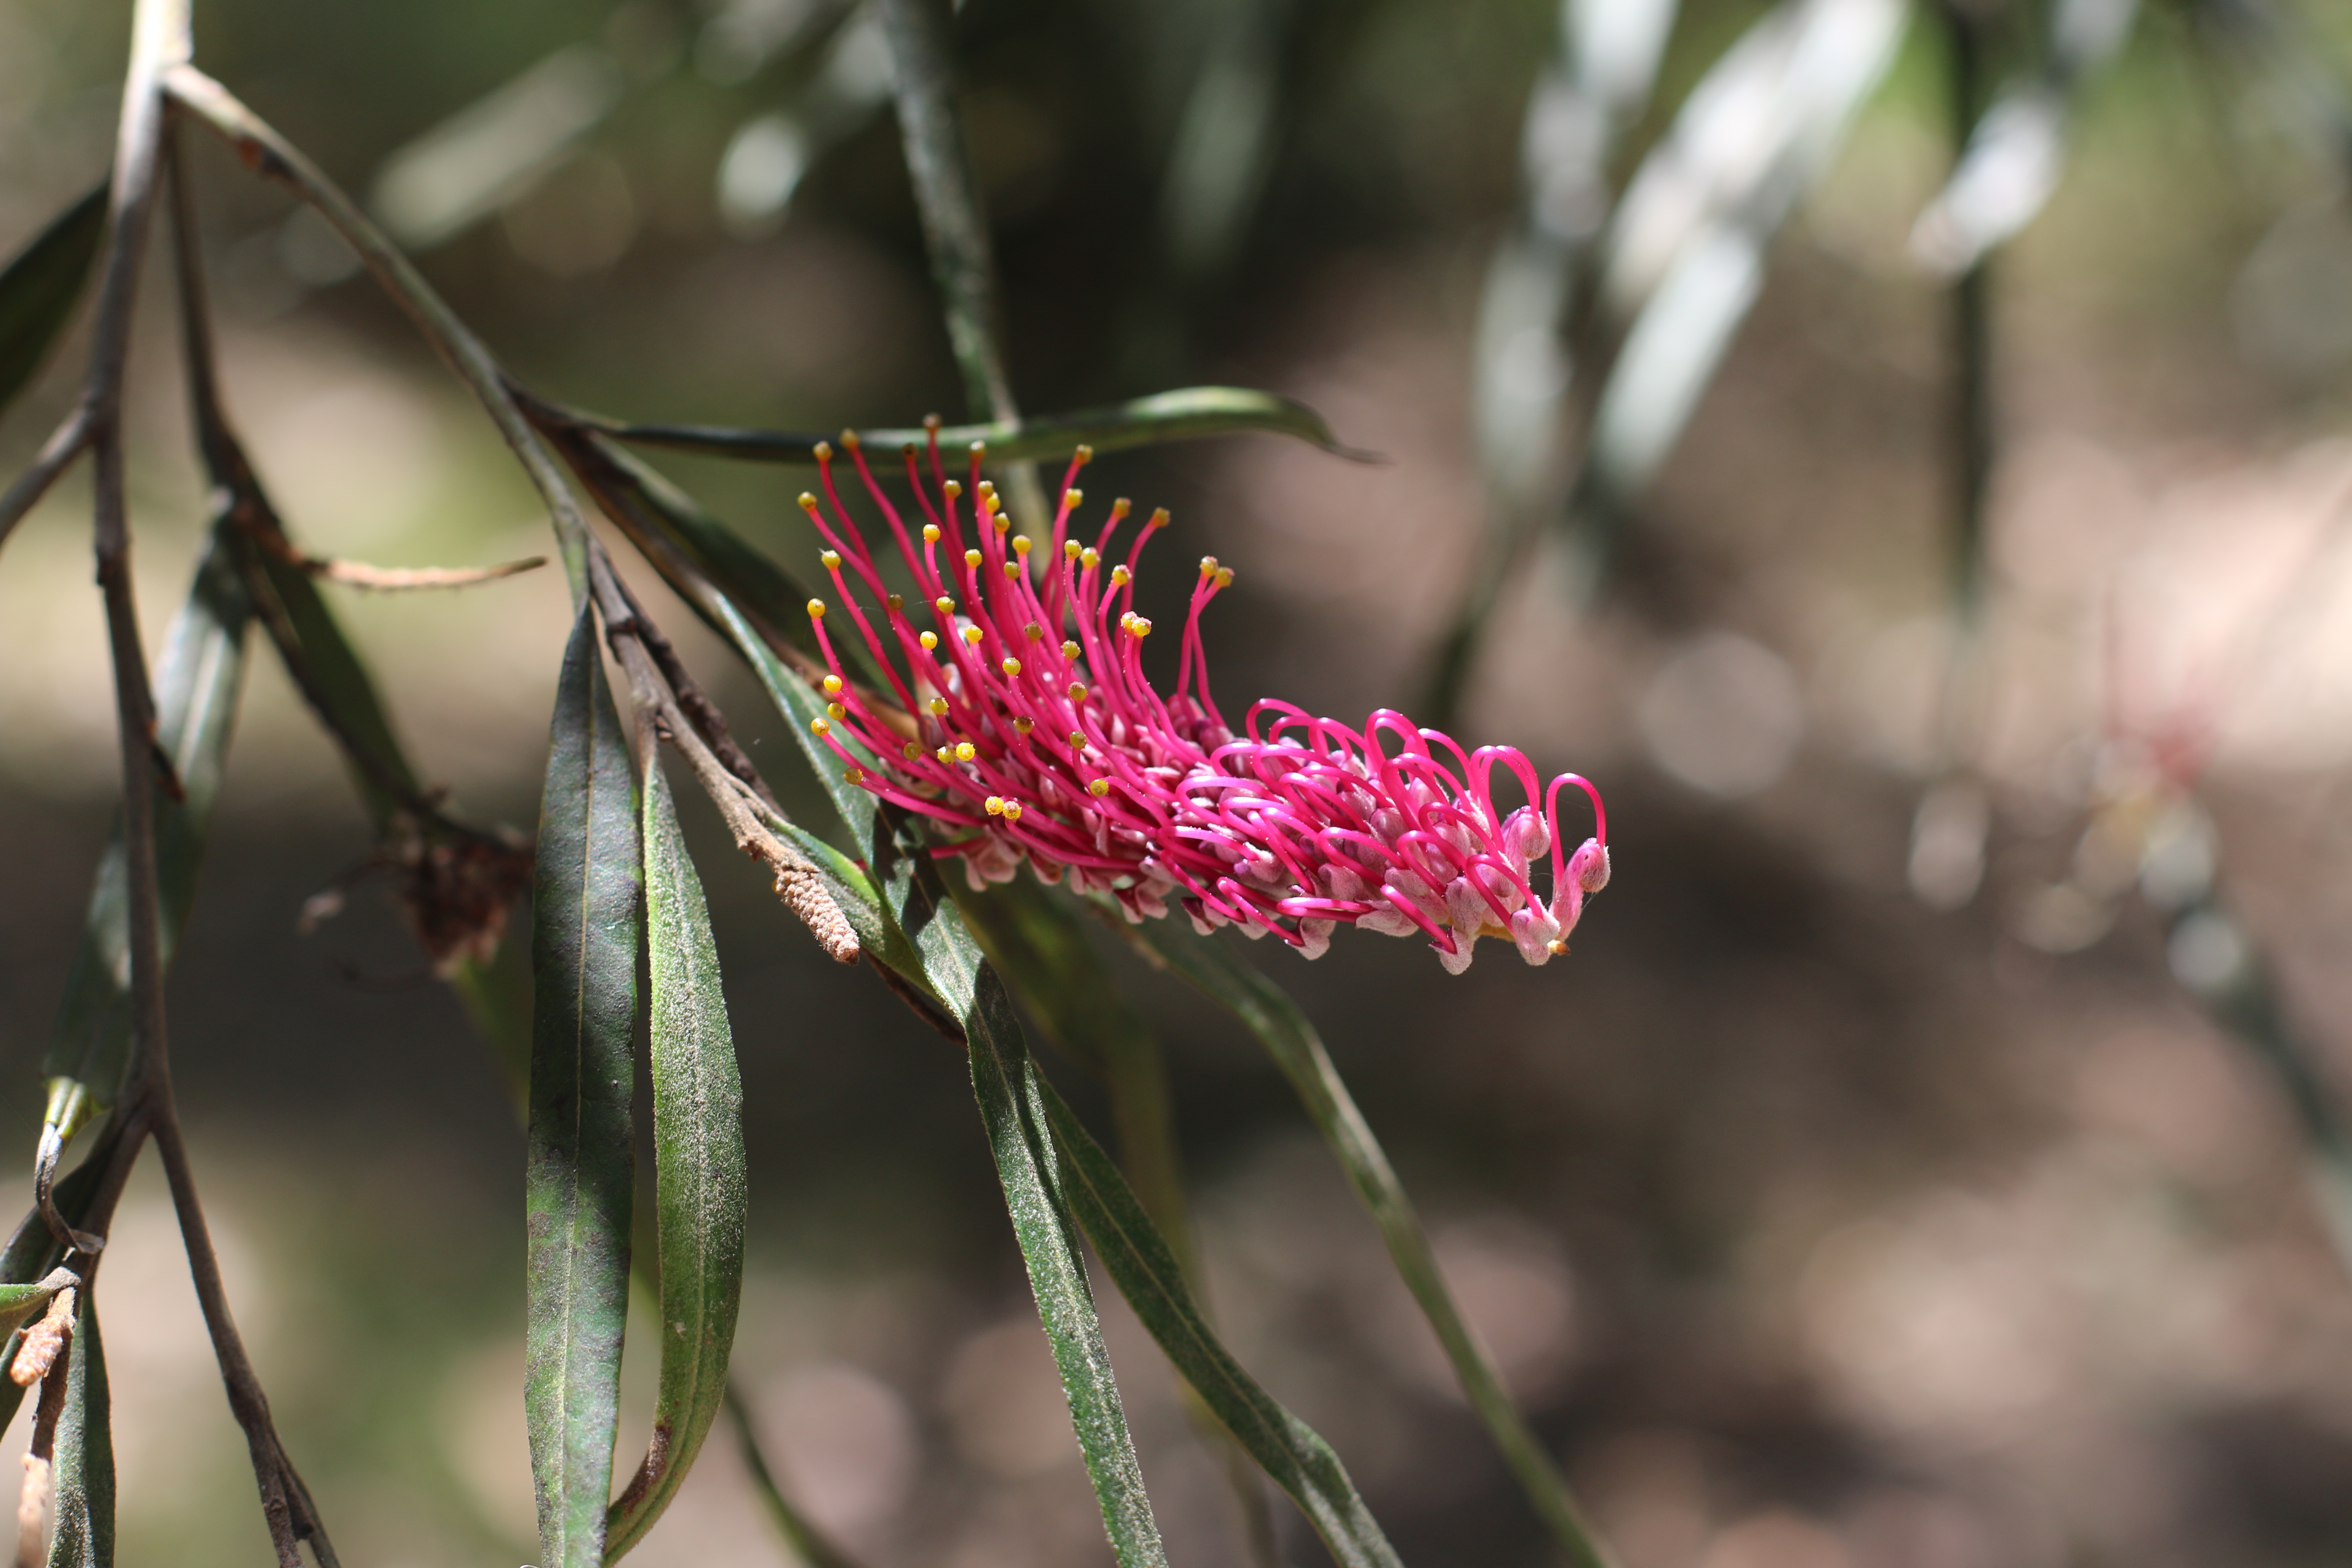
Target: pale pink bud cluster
point(1023, 715)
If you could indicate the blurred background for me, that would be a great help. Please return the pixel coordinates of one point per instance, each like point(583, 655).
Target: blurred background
point(1869, 1188)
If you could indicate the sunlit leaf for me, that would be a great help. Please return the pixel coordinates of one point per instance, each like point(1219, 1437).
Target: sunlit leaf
point(84, 1471)
point(38, 289)
point(580, 1169)
point(1267, 1011)
point(701, 1197)
point(1186, 413)
point(1138, 1258)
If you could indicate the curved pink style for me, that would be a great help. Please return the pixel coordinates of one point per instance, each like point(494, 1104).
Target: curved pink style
point(1035, 730)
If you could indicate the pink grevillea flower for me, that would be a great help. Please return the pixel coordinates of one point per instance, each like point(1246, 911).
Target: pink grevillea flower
point(1023, 716)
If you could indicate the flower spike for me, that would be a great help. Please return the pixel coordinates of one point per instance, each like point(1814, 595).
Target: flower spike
point(1038, 738)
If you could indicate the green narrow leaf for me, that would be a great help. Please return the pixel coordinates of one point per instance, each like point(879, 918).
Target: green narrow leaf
point(197, 682)
point(1147, 1273)
point(85, 1454)
point(38, 289)
point(897, 889)
point(698, 1169)
point(1269, 1013)
point(1184, 413)
point(586, 905)
point(1004, 1080)
point(334, 675)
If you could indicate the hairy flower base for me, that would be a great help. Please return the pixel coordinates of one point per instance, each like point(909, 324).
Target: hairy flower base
point(1023, 715)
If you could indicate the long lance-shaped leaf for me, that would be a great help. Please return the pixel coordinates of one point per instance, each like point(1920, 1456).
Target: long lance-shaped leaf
point(586, 904)
point(38, 289)
point(921, 937)
point(1006, 1081)
point(1269, 1013)
point(1147, 1275)
point(1184, 413)
point(1038, 943)
point(85, 1454)
point(698, 1169)
point(196, 686)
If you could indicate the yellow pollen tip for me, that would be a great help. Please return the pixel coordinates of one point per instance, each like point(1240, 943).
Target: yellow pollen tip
point(855, 775)
point(1033, 632)
point(831, 559)
point(931, 423)
point(944, 605)
point(816, 609)
point(994, 805)
point(929, 640)
point(832, 686)
point(971, 558)
point(820, 726)
point(1078, 741)
point(1159, 519)
point(1011, 666)
point(1074, 499)
point(952, 488)
point(824, 451)
point(836, 711)
point(1559, 946)
point(1013, 572)
point(966, 750)
point(931, 533)
point(1003, 519)
point(1077, 691)
point(1085, 454)
point(972, 635)
point(945, 756)
point(1012, 811)
point(939, 707)
point(1023, 726)
point(1099, 788)
point(1089, 558)
point(1140, 627)
point(1120, 508)
point(1023, 544)
point(980, 448)
point(1208, 565)
point(1071, 549)
point(1224, 576)
point(849, 440)
point(1069, 650)
point(808, 503)
point(1120, 577)
point(896, 603)
point(910, 751)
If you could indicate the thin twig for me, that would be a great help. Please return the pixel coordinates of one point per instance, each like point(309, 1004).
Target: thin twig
point(390, 579)
point(263, 149)
point(741, 804)
point(55, 456)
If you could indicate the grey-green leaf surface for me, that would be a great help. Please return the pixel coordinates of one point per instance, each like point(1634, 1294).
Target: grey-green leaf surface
point(38, 289)
point(1183, 413)
point(1269, 1013)
point(1147, 1273)
point(698, 1169)
point(1006, 1081)
point(84, 1534)
point(926, 944)
point(580, 1169)
point(197, 681)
